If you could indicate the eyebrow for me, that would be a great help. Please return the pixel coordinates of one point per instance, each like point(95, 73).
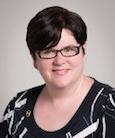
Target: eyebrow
point(72, 45)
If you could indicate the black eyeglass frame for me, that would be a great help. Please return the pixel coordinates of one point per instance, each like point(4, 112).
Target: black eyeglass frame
point(57, 51)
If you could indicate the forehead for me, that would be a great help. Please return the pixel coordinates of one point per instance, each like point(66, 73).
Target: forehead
point(67, 38)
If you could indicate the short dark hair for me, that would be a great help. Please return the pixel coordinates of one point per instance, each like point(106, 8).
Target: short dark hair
point(44, 29)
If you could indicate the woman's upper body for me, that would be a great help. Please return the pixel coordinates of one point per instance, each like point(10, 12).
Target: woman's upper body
point(94, 118)
point(70, 104)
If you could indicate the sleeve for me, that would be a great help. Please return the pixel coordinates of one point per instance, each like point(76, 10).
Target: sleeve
point(6, 125)
point(7, 118)
point(108, 118)
point(3, 129)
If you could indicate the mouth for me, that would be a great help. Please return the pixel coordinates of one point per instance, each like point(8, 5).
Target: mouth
point(60, 71)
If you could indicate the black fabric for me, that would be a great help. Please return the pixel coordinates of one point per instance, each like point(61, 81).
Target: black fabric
point(97, 112)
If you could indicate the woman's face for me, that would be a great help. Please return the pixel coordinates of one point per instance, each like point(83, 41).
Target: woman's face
point(62, 71)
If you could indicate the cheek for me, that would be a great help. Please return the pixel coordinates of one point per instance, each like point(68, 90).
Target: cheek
point(42, 65)
point(77, 62)
point(77, 68)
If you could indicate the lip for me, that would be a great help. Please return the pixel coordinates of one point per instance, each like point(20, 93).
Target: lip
point(60, 71)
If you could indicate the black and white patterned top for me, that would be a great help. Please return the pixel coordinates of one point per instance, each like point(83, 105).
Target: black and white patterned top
point(95, 118)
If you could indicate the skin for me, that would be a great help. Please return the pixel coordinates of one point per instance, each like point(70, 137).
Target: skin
point(66, 86)
point(62, 72)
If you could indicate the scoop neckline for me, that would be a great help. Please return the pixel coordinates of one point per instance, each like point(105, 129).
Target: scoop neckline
point(35, 129)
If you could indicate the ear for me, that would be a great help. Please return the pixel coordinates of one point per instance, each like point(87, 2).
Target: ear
point(35, 64)
point(85, 45)
point(34, 60)
point(84, 48)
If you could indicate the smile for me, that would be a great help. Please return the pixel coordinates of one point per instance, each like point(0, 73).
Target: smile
point(60, 71)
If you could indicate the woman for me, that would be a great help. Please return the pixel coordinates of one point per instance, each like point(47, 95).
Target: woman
point(69, 104)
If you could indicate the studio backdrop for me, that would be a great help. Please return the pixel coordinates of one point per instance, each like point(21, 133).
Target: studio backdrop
point(16, 68)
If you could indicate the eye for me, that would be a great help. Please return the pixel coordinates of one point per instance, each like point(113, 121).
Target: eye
point(69, 49)
point(48, 51)
point(66, 49)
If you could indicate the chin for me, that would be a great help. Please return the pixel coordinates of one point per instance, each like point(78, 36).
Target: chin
point(60, 84)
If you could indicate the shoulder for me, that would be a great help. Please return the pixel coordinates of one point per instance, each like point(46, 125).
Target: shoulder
point(106, 112)
point(29, 92)
point(20, 100)
point(109, 105)
point(105, 90)
point(107, 100)
point(15, 110)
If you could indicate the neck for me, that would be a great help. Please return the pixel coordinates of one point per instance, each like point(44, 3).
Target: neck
point(58, 94)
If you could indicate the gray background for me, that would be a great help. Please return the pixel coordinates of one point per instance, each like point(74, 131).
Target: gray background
point(16, 70)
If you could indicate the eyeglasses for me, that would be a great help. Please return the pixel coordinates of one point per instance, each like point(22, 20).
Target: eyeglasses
point(68, 51)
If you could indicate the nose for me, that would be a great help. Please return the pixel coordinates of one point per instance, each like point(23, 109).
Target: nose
point(59, 59)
